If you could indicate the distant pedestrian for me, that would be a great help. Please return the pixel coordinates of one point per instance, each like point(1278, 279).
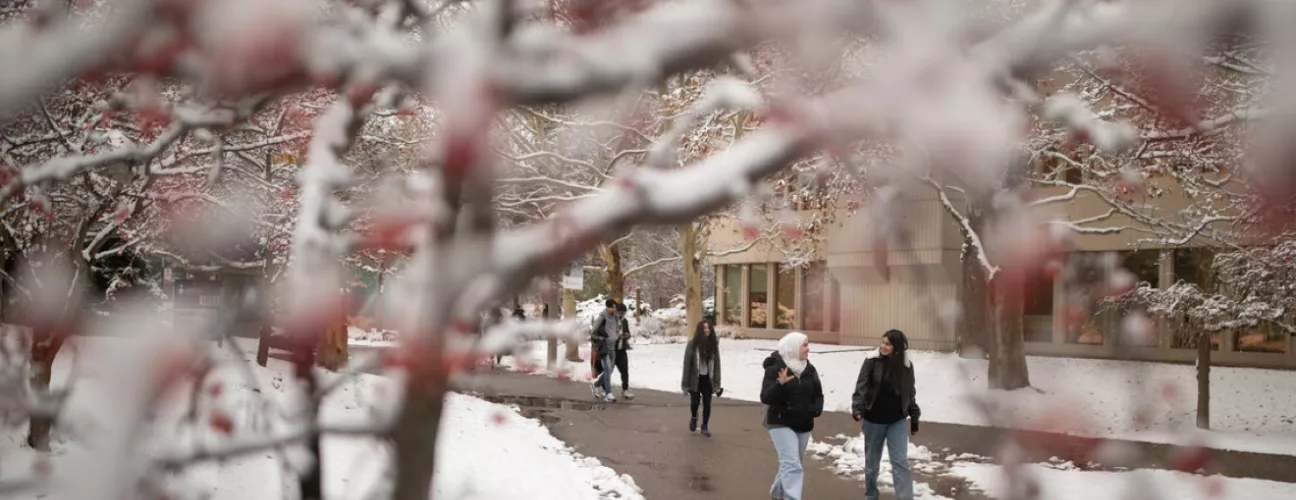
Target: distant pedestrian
point(605, 329)
point(885, 395)
point(622, 356)
point(494, 318)
point(701, 374)
point(793, 398)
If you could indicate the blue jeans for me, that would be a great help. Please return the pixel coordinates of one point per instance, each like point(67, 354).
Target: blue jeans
point(791, 446)
point(896, 438)
point(607, 360)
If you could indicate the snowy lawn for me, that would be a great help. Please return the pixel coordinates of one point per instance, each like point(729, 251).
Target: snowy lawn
point(478, 441)
point(1252, 409)
point(1058, 480)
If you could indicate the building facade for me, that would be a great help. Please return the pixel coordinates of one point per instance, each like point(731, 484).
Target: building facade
point(842, 298)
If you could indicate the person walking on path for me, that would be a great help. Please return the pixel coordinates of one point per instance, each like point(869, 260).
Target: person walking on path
point(622, 359)
point(701, 374)
point(606, 328)
point(793, 399)
point(885, 395)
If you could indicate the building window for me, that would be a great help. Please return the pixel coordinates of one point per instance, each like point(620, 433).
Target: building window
point(1193, 265)
point(1185, 335)
point(733, 294)
point(785, 295)
point(1092, 327)
point(1145, 265)
point(812, 296)
point(1037, 307)
point(1260, 338)
point(758, 296)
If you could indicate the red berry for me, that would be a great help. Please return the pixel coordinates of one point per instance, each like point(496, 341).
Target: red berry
point(221, 423)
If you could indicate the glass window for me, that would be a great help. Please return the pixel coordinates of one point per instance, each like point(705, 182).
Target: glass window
point(1260, 338)
point(1090, 328)
point(785, 295)
point(1193, 265)
point(758, 297)
point(733, 294)
point(1185, 335)
point(1145, 264)
point(1037, 308)
point(812, 296)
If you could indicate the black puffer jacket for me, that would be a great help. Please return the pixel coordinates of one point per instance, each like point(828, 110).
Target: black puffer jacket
point(871, 376)
point(794, 404)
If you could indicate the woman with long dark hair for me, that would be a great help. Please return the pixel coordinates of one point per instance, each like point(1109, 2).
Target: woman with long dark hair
point(885, 396)
point(701, 374)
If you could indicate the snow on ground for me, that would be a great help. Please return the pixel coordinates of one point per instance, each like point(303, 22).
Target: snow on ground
point(1065, 482)
point(478, 440)
point(370, 338)
point(1059, 480)
point(1256, 412)
point(848, 460)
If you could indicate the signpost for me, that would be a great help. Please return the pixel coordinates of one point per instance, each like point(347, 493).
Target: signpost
point(574, 276)
point(197, 303)
point(573, 279)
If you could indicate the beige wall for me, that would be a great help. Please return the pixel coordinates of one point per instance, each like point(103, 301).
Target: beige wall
point(927, 274)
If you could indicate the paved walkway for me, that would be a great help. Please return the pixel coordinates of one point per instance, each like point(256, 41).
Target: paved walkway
point(649, 439)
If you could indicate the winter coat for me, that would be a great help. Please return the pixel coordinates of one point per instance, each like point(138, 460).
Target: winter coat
point(605, 328)
point(689, 381)
point(623, 344)
point(871, 377)
point(794, 404)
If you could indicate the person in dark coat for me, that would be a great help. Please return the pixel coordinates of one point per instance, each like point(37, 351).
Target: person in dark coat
point(701, 377)
point(885, 397)
point(622, 358)
point(604, 330)
point(793, 399)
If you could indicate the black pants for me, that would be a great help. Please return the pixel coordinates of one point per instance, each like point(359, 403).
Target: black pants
point(703, 393)
point(623, 366)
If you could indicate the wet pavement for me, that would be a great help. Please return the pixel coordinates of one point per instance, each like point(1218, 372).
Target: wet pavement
point(648, 439)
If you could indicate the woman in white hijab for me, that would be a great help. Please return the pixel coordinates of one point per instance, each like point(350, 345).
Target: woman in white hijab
point(793, 398)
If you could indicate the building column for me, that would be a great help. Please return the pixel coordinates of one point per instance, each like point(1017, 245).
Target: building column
point(720, 294)
point(771, 295)
point(744, 293)
point(1059, 312)
point(828, 301)
point(1166, 277)
point(798, 322)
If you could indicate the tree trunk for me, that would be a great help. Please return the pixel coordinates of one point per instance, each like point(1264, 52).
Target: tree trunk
point(44, 348)
point(615, 273)
point(1203, 379)
point(263, 345)
point(551, 354)
point(973, 329)
point(688, 247)
point(1008, 353)
point(303, 356)
point(973, 335)
point(331, 351)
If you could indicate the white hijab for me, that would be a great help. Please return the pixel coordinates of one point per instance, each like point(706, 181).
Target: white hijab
point(790, 348)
